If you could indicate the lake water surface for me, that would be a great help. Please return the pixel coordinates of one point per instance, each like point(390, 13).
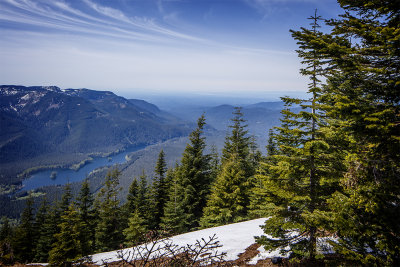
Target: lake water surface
point(43, 178)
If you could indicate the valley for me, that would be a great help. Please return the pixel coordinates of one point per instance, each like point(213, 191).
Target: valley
point(99, 131)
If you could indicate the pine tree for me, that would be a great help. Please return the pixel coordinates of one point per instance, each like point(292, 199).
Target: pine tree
point(230, 191)
point(299, 179)
point(134, 234)
point(24, 242)
point(271, 146)
point(173, 211)
point(214, 163)
point(67, 247)
point(229, 195)
point(132, 197)
point(38, 226)
point(143, 201)
point(108, 231)
point(364, 94)
point(257, 207)
point(192, 183)
point(6, 250)
point(47, 235)
point(66, 198)
point(40, 217)
point(159, 191)
point(87, 219)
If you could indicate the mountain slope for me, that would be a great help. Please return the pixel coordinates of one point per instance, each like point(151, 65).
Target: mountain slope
point(234, 238)
point(36, 121)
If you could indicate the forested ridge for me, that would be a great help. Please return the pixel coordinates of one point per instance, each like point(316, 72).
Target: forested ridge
point(331, 174)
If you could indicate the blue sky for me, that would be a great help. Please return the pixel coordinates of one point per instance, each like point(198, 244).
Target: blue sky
point(186, 46)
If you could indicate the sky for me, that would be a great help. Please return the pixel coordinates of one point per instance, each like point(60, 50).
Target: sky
point(231, 47)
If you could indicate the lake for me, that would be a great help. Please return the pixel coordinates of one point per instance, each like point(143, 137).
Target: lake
point(64, 176)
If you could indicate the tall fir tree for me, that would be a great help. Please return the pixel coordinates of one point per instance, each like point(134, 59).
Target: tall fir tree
point(159, 190)
point(108, 230)
point(39, 225)
point(173, 211)
point(136, 229)
point(229, 198)
point(302, 175)
point(6, 235)
point(47, 235)
point(24, 240)
point(132, 197)
point(87, 219)
point(192, 183)
point(67, 247)
point(364, 94)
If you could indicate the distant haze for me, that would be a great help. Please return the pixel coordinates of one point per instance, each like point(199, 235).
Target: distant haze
point(170, 100)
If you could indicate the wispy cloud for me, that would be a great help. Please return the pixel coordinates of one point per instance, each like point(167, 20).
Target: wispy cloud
point(111, 22)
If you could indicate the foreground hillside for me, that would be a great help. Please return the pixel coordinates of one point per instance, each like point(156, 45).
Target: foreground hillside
point(235, 239)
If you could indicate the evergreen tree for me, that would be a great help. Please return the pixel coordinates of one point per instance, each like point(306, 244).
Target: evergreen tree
point(229, 195)
point(87, 219)
point(47, 235)
point(6, 229)
point(67, 247)
point(364, 94)
point(214, 163)
point(299, 179)
point(132, 197)
point(24, 239)
point(271, 146)
point(40, 220)
point(6, 234)
point(192, 183)
point(159, 191)
point(136, 229)
point(144, 203)
point(173, 211)
point(229, 199)
point(66, 198)
point(108, 231)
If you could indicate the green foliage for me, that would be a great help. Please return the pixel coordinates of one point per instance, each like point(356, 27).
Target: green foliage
point(108, 229)
point(6, 234)
point(159, 191)
point(40, 220)
point(136, 229)
point(192, 183)
point(300, 174)
point(67, 247)
point(87, 219)
point(364, 94)
point(173, 211)
point(229, 198)
point(132, 197)
point(229, 195)
point(24, 238)
point(47, 235)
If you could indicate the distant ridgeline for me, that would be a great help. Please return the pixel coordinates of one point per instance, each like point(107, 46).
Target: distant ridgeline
point(44, 125)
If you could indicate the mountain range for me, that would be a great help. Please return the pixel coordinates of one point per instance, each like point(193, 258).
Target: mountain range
point(46, 126)
point(38, 121)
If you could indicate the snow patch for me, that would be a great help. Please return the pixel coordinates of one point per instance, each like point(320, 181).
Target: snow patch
point(234, 238)
point(26, 97)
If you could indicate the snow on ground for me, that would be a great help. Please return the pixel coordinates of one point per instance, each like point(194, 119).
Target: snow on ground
point(234, 238)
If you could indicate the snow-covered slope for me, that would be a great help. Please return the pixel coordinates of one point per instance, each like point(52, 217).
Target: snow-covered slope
point(234, 238)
